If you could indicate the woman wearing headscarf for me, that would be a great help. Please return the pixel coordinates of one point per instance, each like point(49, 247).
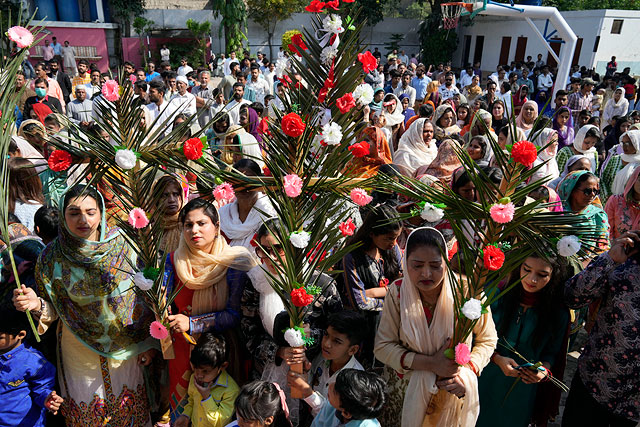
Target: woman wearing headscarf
point(480, 125)
point(407, 111)
point(473, 90)
point(433, 94)
point(623, 123)
point(426, 388)
point(563, 124)
point(619, 168)
point(618, 105)
point(417, 146)
point(527, 117)
point(444, 122)
point(623, 210)
point(547, 195)
point(250, 120)
point(379, 154)
point(85, 279)
point(578, 162)
point(547, 143)
point(210, 276)
point(240, 144)
point(479, 149)
point(584, 143)
point(173, 191)
point(392, 108)
point(444, 164)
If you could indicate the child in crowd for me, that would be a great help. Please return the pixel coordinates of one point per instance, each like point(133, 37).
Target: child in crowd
point(26, 377)
point(46, 223)
point(345, 332)
point(261, 404)
point(355, 399)
point(212, 391)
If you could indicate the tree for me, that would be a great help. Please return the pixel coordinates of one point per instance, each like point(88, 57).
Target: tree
point(200, 31)
point(143, 26)
point(123, 10)
point(437, 44)
point(394, 43)
point(267, 14)
point(234, 21)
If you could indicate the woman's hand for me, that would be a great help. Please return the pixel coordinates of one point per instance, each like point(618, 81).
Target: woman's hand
point(26, 299)
point(529, 376)
point(439, 364)
point(145, 359)
point(508, 366)
point(179, 323)
point(625, 247)
point(452, 385)
point(294, 355)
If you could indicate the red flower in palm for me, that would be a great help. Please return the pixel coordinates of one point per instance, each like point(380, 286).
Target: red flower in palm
point(300, 297)
point(493, 258)
point(369, 62)
point(345, 103)
point(315, 6)
point(524, 152)
point(360, 149)
point(59, 161)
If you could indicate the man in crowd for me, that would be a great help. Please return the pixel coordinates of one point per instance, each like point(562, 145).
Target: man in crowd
point(258, 84)
point(403, 57)
point(233, 107)
point(545, 80)
point(560, 101)
point(41, 86)
point(228, 61)
point(448, 90)
point(158, 109)
point(129, 68)
point(47, 51)
point(170, 85)
point(490, 96)
point(500, 76)
point(79, 110)
point(152, 72)
point(93, 88)
point(249, 93)
point(465, 76)
point(184, 67)
point(204, 97)
point(27, 93)
point(419, 83)
point(83, 77)
point(405, 88)
point(62, 78)
point(183, 101)
point(227, 82)
point(525, 80)
point(57, 49)
point(53, 88)
point(540, 63)
point(582, 99)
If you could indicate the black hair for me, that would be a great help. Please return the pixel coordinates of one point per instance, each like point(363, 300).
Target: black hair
point(257, 107)
point(13, 321)
point(351, 323)
point(142, 85)
point(425, 237)
point(269, 226)
point(594, 132)
point(494, 174)
point(208, 208)
point(425, 110)
point(238, 84)
point(260, 400)
point(362, 394)
point(83, 191)
point(53, 119)
point(41, 80)
point(252, 165)
point(13, 147)
point(158, 85)
point(211, 350)
point(481, 104)
point(84, 61)
point(129, 63)
point(46, 219)
point(172, 75)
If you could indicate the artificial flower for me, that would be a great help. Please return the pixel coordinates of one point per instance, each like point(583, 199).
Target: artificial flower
point(363, 94)
point(345, 103)
point(142, 282)
point(568, 246)
point(192, 148)
point(524, 152)
point(138, 218)
point(285, 80)
point(266, 171)
point(328, 54)
point(493, 258)
point(315, 6)
point(360, 197)
point(158, 331)
point(332, 133)
point(384, 282)
point(360, 149)
point(298, 41)
point(292, 125)
point(292, 336)
point(472, 309)
point(151, 273)
point(133, 78)
point(333, 4)
point(431, 213)
point(126, 159)
point(224, 191)
point(502, 213)
point(59, 161)
point(332, 23)
point(281, 67)
point(111, 90)
point(300, 297)
point(315, 251)
point(292, 184)
point(293, 49)
point(463, 354)
point(368, 61)
point(300, 239)
point(347, 227)
point(21, 36)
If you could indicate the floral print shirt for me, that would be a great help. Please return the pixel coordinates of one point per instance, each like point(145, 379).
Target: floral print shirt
point(610, 364)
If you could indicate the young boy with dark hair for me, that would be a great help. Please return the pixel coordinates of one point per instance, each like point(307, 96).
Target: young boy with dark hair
point(27, 379)
point(355, 399)
point(46, 223)
point(345, 332)
point(212, 392)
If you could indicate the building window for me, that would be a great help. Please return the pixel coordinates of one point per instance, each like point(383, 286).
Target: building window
point(595, 45)
point(616, 28)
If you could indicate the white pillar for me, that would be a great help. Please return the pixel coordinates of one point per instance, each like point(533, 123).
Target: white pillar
point(100, 10)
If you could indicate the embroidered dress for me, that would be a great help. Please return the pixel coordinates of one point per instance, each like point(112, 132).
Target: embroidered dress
point(623, 211)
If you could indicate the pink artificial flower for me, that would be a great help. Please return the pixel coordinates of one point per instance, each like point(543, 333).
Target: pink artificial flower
point(138, 218)
point(158, 331)
point(224, 191)
point(111, 90)
point(133, 78)
point(21, 36)
point(463, 354)
point(502, 213)
point(292, 185)
point(360, 197)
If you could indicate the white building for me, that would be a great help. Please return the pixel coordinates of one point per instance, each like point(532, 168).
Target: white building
point(603, 33)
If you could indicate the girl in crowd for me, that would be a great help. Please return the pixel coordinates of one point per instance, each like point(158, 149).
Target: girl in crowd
point(174, 192)
point(261, 404)
point(519, 99)
point(240, 219)
point(623, 210)
point(533, 320)
point(407, 109)
point(445, 163)
point(417, 146)
point(210, 276)
point(527, 117)
point(584, 143)
point(616, 172)
point(413, 335)
point(480, 150)
point(379, 154)
point(498, 115)
point(392, 109)
point(578, 162)
point(563, 124)
point(84, 278)
point(547, 143)
point(25, 191)
point(622, 124)
point(463, 114)
point(444, 122)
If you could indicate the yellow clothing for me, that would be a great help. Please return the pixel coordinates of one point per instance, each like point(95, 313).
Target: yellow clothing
point(217, 409)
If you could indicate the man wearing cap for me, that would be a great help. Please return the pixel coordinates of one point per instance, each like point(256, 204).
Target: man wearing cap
point(581, 100)
point(183, 101)
point(79, 110)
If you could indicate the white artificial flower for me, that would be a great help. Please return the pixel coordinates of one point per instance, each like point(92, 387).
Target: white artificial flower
point(568, 246)
point(328, 54)
point(126, 159)
point(300, 239)
point(332, 133)
point(431, 213)
point(333, 24)
point(293, 337)
point(363, 94)
point(142, 282)
point(281, 67)
point(472, 309)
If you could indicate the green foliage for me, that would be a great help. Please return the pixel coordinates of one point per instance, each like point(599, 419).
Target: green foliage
point(437, 46)
point(201, 32)
point(394, 43)
point(267, 14)
point(370, 11)
point(142, 26)
point(287, 39)
point(123, 10)
point(593, 4)
point(233, 24)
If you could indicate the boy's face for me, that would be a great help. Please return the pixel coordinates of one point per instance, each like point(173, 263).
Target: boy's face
point(562, 101)
point(336, 346)
point(8, 341)
point(205, 375)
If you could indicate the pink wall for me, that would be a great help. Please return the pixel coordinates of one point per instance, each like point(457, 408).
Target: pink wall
point(82, 37)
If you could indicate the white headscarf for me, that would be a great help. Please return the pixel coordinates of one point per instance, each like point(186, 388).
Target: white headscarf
point(241, 233)
point(546, 156)
point(412, 151)
point(426, 338)
point(633, 161)
point(579, 139)
point(488, 151)
point(556, 182)
point(396, 116)
point(270, 302)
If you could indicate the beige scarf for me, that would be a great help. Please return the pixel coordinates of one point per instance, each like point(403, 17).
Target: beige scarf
point(427, 339)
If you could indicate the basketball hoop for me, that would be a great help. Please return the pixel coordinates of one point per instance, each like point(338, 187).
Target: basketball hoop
point(451, 13)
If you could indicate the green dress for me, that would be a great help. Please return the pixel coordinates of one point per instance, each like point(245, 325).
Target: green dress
point(517, 408)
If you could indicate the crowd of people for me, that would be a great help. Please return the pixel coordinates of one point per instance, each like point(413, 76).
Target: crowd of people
point(382, 326)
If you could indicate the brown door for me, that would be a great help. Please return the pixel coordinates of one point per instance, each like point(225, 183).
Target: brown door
point(555, 46)
point(576, 54)
point(466, 50)
point(521, 49)
point(477, 53)
point(504, 51)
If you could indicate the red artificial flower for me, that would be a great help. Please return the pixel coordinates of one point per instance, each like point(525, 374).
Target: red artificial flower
point(345, 103)
point(369, 62)
point(332, 4)
point(360, 149)
point(524, 152)
point(285, 80)
point(322, 95)
point(348, 1)
point(292, 125)
point(493, 258)
point(293, 49)
point(266, 171)
point(59, 161)
point(315, 6)
point(347, 228)
point(299, 41)
point(192, 148)
point(254, 241)
point(300, 297)
point(328, 84)
point(383, 282)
